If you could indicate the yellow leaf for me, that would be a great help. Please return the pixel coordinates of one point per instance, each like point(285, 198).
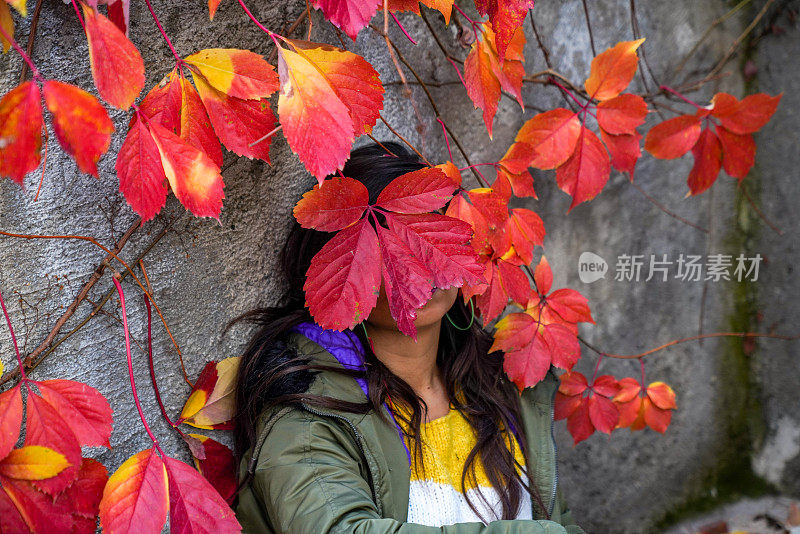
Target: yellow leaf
point(33, 462)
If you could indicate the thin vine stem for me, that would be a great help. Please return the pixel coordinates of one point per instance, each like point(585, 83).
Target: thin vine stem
point(130, 366)
point(22, 53)
point(13, 337)
point(178, 58)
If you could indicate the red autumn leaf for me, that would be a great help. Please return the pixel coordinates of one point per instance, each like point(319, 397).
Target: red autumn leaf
point(613, 70)
point(194, 504)
point(504, 281)
point(625, 150)
point(327, 97)
point(195, 125)
point(81, 123)
point(119, 13)
point(83, 496)
point(460, 208)
point(529, 365)
point(117, 66)
point(193, 177)
point(344, 277)
point(141, 175)
point(738, 152)
point(218, 466)
point(408, 283)
point(603, 413)
point(45, 426)
point(553, 135)
point(211, 403)
point(440, 242)
point(238, 123)
point(451, 171)
point(674, 137)
point(84, 409)
point(514, 331)
point(494, 208)
point(419, 191)
point(236, 73)
point(162, 104)
point(587, 407)
point(350, 16)
point(746, 116)
point(587, 170)
point(543, 276)
point(525, 229)
point(135, 497)
point(337, 205)
point(505, 17)
point(416, 249)
point(212, 8)
point(20, 131)
point(570, 305)
point(10, 419)
point(485, 74)
point(25, 509)
point(621, 114)
point(506, 183)
point(707, 154)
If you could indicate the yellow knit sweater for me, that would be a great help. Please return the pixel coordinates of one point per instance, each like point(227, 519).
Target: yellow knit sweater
point(435, 497)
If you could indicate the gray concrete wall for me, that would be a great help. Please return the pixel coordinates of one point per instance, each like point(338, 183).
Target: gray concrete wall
point(736, 427)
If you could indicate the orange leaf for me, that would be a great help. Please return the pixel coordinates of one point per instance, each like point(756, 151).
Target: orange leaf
point(211, 402)
point(629, 388)
point(82, 407)
point(746, 116)
point(613, 70)
point(212, 8)
point(483, 86)
point(707, 162)
point(445, 7)
point(19, 5)
point(526, 229)
point(662, 395)
point(10, 419)
point(81, 123)
point(33, 462)
point(117, 66)
point(355, 82)
point(585, 173)
point(7, 23)
point(318, 113)
point(655, 417)
point(674, 137)
point(135, 498)
point(621, 114)
point(543, 276)
point(553, 136)
point(20, 131)
point(193, 177)
point(141, 176)
point(194, 504)
point(238, 123)
point(514, 331)
point(237, 73)
point(195, 125)
point(738, 152)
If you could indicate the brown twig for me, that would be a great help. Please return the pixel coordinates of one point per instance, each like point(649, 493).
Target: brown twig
point(686, 339)
point(589, 27)
point(404, 140)
point(31, 39)
point(758, 211)
point(667, 210)
point(708, 31)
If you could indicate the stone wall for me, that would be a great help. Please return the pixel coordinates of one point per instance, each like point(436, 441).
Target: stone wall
point(736, 427)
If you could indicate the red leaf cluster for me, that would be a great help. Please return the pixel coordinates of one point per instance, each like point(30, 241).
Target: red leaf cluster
point(728, 145)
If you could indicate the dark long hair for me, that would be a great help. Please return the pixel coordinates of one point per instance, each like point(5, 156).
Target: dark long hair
point(273, 373)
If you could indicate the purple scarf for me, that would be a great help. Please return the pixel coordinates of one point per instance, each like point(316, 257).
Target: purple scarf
point(348, 351)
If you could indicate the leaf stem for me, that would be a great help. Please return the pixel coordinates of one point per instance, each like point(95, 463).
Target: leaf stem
point(255, 21)
point(78, 12)
point(130, 364)
point(178, 58)
point(13, 338)
point(446, 139)
point(596, 368)
point(10, 38)
point(402, 29)
point(669, 89)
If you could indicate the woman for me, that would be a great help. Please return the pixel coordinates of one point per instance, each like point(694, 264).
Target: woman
point(368, 431)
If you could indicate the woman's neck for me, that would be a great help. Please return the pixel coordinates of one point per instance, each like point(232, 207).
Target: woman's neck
point(414, 363)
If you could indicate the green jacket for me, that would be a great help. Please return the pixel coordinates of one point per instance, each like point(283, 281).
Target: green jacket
point(319, 471)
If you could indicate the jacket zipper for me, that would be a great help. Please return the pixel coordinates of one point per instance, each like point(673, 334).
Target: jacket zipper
point(359, 440)
point(555, 452)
